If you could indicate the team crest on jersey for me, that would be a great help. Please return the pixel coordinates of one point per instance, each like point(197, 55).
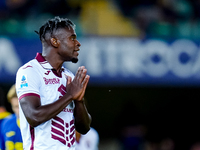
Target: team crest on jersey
point(24, 82)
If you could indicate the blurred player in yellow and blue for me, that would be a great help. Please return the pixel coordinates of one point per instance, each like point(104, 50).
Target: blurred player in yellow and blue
point(3, 112)
point(10, 128)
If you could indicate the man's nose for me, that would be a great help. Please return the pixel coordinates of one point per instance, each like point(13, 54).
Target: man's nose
point(78, 43)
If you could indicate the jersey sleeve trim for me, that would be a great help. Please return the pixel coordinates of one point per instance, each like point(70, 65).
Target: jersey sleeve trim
point(28, 94)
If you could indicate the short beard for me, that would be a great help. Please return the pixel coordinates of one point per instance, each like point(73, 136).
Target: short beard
point(74, 60)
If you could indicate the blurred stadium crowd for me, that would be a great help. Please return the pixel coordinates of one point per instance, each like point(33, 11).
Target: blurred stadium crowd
point(139, 18)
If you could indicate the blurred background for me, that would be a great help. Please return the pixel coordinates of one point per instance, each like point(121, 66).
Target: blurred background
point(143, 58)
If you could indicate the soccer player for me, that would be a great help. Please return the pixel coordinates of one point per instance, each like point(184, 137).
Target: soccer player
point(10, 129)
point(3, 113)
point(51, 98)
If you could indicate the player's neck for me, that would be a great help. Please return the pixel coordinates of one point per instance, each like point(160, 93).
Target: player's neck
point(53, 60)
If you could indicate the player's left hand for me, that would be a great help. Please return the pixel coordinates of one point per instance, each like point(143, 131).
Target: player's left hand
point(78, 86)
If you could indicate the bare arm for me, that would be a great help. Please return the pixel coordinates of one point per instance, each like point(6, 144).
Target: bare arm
point(82, 117)
point(36, 113)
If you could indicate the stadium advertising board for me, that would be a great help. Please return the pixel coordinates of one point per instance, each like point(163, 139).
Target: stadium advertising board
point(117, 61)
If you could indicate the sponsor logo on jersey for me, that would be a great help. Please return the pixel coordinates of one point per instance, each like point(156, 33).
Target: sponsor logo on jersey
point(51, 81)
point(24, 81)
point(68, 110)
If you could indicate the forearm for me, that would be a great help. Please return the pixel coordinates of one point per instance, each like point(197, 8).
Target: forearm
point(36, 115)
point(82, 117)
point(54, 108)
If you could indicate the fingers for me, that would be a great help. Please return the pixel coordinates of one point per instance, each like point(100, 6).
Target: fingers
point(84, 85)
point(80, 74)
point(85, 81)
point(80, 82)
point(69, 80)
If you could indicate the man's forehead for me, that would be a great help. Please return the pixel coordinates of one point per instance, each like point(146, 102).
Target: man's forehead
point(65, 31)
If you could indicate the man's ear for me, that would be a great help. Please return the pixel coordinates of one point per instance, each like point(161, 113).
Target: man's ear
point(54, 42)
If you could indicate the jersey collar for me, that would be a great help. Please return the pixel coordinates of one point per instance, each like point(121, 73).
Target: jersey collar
point(45, 64)
point(43, 61)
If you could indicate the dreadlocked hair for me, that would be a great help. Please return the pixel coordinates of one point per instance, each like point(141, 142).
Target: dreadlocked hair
point(54, 24)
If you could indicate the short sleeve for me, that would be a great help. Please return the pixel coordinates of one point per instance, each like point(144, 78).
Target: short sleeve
point(27, 82)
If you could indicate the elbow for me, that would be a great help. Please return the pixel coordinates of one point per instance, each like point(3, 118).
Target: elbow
point(86, 130)
point(34, 124)
point(83, 126)
point(33, 121)
point(83, 130)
